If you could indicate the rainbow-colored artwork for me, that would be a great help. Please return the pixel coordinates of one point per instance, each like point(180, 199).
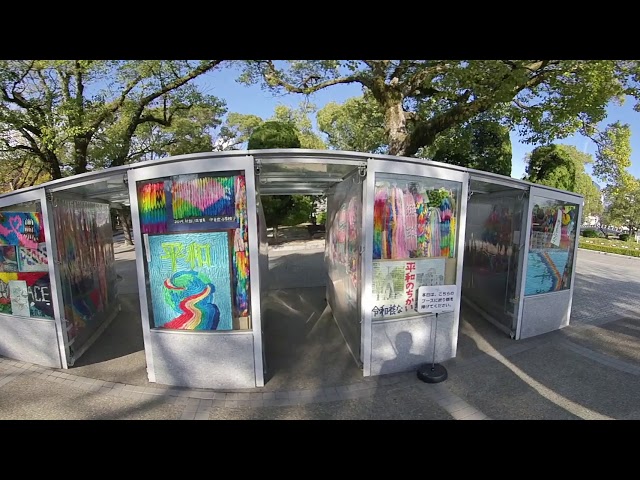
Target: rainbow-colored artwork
point(190, 281)
point(33, 259)
point(152, 204)
point(21, 228)
point(411, 222)
point(241, 250)
point(546, 271)
point(196, 197)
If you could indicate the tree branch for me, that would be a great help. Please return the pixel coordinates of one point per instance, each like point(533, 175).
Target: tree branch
point(273, 78)
point(417, 82)
point(180, 81)
point(36, 177)
point(426, 132)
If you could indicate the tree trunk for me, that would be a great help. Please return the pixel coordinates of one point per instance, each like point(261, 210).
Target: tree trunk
point(125, 220)
point(396, 127)
point(53, 165)
point(81, 145)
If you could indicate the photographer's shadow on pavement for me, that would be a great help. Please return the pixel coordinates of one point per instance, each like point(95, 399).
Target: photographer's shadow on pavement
point(404, 359)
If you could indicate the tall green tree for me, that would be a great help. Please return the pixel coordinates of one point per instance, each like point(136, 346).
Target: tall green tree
point(356, 125)
point(59, 111)
point(274, 135)
point(624, 203)
point(563, 167)
point(300, 120)
point(280, 209)
point(545, 100)
point(238, 128)
point(479, 144)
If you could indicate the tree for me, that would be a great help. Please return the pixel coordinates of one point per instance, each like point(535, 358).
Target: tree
point(300, 121)
point(238, 127)
point(421, 99)
point(624, 203)
point(280, 209)
point(592, 195)
point(356, 125)
point(65, 112)
point(479, 144)
point(563, 167)
point(236, 131)
point(554, 166)
point(21, 171)
point(274, 135)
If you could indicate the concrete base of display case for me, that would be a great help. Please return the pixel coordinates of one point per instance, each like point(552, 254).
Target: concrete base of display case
point(188, 358)
point(32, 340)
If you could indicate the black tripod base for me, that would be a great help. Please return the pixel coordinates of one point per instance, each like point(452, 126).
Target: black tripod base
point(432, 373)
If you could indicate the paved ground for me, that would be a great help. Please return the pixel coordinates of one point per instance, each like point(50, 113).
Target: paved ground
point(607, 286)
point(567, 374)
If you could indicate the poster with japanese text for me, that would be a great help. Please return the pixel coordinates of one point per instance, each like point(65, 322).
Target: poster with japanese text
point(396, 283)
point(190, 281)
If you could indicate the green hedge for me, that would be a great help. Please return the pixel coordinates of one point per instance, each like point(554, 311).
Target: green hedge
point(590, 233)
point(629, 252)
point(624, 237)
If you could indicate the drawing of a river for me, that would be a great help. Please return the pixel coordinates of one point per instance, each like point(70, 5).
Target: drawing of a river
point(545, 270)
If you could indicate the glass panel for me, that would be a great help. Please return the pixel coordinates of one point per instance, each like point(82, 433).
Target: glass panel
point(551, 246)
point(493, 231)
point(342, 257)
point(84, 240)
point(196, 250)
point(25, 289)
point(414, 240)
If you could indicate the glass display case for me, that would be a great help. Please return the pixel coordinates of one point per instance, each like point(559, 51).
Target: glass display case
point(195, 236)
point(415, 225)
point(551, 246)
point(25, 287)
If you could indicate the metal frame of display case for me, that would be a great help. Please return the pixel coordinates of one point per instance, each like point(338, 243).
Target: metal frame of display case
point(246, 164)
point(39, 195)
point(417, 169)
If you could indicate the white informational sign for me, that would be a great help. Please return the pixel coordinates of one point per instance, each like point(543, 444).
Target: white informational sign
point(396, 283)
point(437, 299)
point(19, 295)
point(557, 229)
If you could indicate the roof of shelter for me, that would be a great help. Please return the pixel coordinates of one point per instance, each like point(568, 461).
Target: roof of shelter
point(282, 171)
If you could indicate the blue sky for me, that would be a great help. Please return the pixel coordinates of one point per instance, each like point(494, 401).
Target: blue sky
point(253, 100)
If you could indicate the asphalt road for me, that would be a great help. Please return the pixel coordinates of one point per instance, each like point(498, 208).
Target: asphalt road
point(607, 287)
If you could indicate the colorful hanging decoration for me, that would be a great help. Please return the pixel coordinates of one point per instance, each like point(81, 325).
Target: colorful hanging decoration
point(193, 196)
point(241, 249)
point(434, 232)
point(411, 225)
point(397, 239)
point(379, 221)
point(445, 226)
point(422, 221)
point(412, 222)
point(152, 205)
